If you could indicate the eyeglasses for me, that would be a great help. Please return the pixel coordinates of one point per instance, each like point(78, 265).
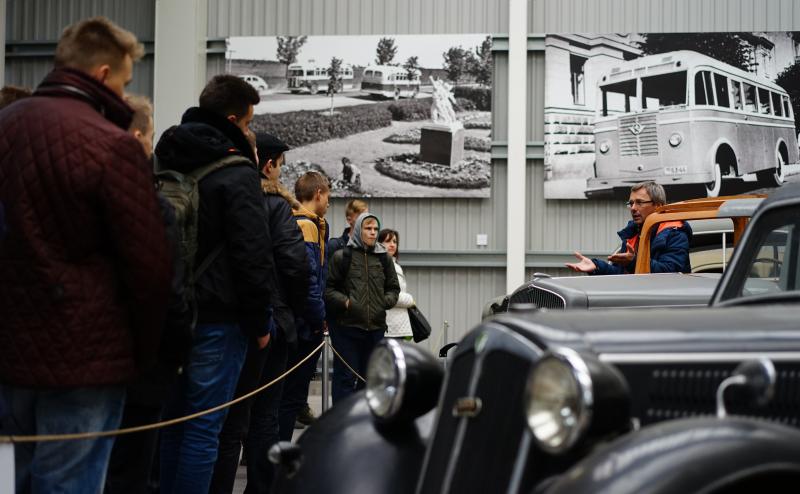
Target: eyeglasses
point(638, 202)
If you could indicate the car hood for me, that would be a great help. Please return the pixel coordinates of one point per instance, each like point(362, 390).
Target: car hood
point(643, 290)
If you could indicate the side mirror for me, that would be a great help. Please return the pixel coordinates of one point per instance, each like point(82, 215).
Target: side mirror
point(756, 376)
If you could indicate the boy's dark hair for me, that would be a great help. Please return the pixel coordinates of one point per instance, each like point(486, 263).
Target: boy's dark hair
point(388, 233)
point(269, 148)
point(228, 95)
point(308, 184)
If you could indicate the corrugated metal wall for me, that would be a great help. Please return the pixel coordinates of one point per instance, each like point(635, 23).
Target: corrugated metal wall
point(34, 26)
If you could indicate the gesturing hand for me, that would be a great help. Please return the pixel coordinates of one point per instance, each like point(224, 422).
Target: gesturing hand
point(584, 264)
point(622, 258)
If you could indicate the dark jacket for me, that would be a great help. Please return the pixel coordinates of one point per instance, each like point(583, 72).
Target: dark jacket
point(337, 243)
point(371, 285)
point(315, 235)
point(235, 287)
point(85, 266)
point(291, 276)
point(669, 250)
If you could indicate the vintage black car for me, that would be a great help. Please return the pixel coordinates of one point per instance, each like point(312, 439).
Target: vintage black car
point(538, 401)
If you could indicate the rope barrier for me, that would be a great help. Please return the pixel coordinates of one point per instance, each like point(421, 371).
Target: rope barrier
point(157, 425)
point(345, 362)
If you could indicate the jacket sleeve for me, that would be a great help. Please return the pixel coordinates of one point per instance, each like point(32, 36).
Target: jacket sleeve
point(675, 254)
point(138, 238)
point(334, 298)
point(605, 268)
point(291, 259)
point(404, 300)
point(314, 313)
point(249, 243)
point(391, 287)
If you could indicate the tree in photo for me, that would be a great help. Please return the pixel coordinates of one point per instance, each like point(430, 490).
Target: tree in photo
point(481, 66)
point(289, 48)
point(386, 51)
point(789, 80)
point(457, 61)
point(335, 84)
point(412, 71)
point(725, 47)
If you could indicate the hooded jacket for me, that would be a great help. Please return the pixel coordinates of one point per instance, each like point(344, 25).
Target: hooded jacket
point(236, 286)
point(669, 250)
point(84, 267)
point(291, 275)
point(315, 235)
point(370, 284)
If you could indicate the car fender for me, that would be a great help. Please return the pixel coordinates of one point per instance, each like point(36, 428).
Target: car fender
point(346, 451)
point(687, 456)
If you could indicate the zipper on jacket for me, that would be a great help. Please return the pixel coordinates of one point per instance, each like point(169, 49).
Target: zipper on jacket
point(366, 272)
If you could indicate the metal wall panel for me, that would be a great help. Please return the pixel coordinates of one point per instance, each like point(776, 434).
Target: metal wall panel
point(327, 17)
point(37, 24)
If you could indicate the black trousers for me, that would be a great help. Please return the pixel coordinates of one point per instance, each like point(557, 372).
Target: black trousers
point(295, 391)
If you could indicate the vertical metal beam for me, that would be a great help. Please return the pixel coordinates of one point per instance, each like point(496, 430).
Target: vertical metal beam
point(517, 117)
point(180, 58)
point(2, 43)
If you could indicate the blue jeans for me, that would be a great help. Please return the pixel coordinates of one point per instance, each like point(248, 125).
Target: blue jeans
point(355, 345)
point(189, 450)
point(62, 466)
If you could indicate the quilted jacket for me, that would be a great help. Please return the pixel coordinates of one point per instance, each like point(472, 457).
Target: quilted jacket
point(669, 250)
point(85, 267)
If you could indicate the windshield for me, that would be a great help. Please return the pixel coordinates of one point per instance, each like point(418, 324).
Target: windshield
point(658, 92)
point(770, 264)
point(296, 72)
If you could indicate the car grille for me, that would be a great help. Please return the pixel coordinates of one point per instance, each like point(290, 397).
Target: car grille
point(664, 392)
point(638, 135)
point(537, 296)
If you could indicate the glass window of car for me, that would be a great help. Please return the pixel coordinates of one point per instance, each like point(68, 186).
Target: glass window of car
point(703, 90)
point(736, 92)
point(776, 104)
point(770, 263)
point(763, 101)
point(749, 97)
point(721, 86)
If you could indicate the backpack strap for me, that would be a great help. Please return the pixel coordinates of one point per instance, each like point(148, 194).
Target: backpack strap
point(344, 269)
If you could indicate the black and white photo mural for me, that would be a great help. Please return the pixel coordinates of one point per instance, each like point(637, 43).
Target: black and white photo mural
point(704, 114)
point(381, 116)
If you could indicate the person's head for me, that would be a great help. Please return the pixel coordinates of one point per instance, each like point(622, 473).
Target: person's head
point(101, 49)
point(391, 240)
point(354, 208)
point(313, 191)
point(369, 231)
point(232, 98)
point(10, 94)
point(270, 154)
point(142, 124)
point(644, 199)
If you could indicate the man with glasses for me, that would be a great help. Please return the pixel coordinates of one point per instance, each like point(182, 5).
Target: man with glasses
point(669, 248)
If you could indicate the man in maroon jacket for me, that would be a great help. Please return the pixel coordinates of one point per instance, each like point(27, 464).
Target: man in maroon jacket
point(84, 267)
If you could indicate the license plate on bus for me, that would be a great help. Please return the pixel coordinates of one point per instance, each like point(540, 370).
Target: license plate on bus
point(675, 170)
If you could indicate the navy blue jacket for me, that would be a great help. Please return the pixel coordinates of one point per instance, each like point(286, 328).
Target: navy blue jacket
point(669, 251)
point(315, 235)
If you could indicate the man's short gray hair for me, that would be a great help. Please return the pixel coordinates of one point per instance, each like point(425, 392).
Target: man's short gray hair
point(654, 190)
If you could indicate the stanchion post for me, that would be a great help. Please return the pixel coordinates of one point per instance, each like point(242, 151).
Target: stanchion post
point(326, 371)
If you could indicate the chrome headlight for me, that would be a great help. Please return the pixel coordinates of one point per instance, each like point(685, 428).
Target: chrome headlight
point(569, 397)
point(675, 140)
point(605, 147)
point(559, 400)
point(403, 381)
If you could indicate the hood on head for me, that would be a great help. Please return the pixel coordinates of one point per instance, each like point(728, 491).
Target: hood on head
point(189, 146)
point(355, 239)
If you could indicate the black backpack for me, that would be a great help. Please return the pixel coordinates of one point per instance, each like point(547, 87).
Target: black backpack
point(182, 191)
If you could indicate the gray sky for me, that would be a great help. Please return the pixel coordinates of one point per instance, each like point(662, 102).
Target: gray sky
point(356, 50)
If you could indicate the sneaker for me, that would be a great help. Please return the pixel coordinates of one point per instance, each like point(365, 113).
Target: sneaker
point(306, 416)
point(299, 425)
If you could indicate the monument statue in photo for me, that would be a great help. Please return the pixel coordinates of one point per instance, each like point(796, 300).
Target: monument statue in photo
point(442, 141)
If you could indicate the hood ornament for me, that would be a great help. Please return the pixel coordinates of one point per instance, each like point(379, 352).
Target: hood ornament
point(636, 128)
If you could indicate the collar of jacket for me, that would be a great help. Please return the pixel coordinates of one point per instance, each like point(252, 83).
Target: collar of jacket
point(66, 82)
point(222, 124)
point(276, 188)
point(629, 231)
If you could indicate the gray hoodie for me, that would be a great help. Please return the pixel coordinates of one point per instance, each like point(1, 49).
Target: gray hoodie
point(355, 239)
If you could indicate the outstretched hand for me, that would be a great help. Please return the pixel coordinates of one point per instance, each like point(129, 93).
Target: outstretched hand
point(584, 264)
point(622, 258)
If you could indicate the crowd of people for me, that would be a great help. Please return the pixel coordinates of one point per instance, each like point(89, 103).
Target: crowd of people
point(141, 282)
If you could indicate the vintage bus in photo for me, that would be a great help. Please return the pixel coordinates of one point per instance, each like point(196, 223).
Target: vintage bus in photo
point(685, 118)
point(312, 78)
point(390, 81)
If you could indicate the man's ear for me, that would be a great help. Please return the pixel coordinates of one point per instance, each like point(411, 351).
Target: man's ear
point(100, 72)
point(138, 134)
point(232, 119)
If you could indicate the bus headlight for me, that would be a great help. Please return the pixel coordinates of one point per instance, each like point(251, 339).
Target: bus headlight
point(675, 140)
point(403, 381)
point(569, 397)
point(605, 147)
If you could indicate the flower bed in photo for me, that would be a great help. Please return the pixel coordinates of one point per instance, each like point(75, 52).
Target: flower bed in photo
point(470, 173)
point(413, 136)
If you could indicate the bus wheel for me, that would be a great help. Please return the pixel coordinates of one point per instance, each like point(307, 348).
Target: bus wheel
point(314, 88)
point(396, 93)
point(713, 187)
point(772, 177)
